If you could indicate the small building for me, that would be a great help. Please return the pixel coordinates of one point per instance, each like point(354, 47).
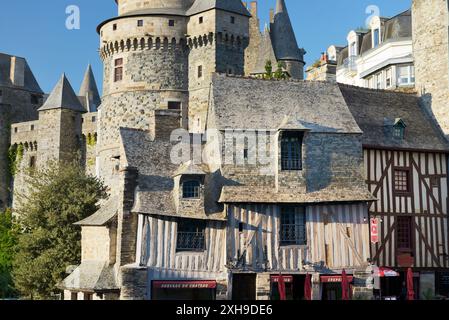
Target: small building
point(406, 163)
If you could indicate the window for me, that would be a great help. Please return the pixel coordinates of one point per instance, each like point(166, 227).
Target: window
point(402, 180)
point(32, 127)
point(404, 234)
point(174, 105)
point(32, 162)
point(114, 27)
point(406, 75)
point(245, 153)
point(293, 226)
point(232, 19)
point(200, 71)
point(118, 70)
point(171, 23)
point(74, 296)
point(190, 236)
point(353, 49)
point(16, 130)
point(398, 132)
point(376, 37)
point(201, 20)
point(378, 78)
point(140, 23)
point(94, 119)
point(291, 151)
point(388, 78)
point(191, 189)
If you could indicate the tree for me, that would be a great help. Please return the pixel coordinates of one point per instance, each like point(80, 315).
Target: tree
point(8, 238)
point(61, 195)
point(280, 74)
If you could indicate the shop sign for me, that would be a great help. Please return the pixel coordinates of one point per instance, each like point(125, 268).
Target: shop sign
point(374, 230)
point(184, 284)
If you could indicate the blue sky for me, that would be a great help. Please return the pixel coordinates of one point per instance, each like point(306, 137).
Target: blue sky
point(36, 30)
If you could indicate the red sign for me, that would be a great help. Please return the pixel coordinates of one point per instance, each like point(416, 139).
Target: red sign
point(374, 230)
point(330, 279)
point(405, 260)
point(287, 279)
point(184, 284)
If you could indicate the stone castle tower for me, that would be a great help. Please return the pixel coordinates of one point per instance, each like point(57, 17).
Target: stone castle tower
point(430, 47)
point(160, 55)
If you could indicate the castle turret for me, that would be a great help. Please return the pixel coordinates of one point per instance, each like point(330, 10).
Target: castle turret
point(60, 125)
point(430, 49)
point(284, 42)
point(145, 69)
point(89, 91)
point(218, 32)
point(126, 7)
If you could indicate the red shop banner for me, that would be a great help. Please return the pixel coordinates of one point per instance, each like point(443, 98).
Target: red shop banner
point(184, 284)
point(287, 279)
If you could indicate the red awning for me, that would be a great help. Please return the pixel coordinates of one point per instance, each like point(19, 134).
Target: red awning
point(336, 278)
point(287, 279)
point(184, 284)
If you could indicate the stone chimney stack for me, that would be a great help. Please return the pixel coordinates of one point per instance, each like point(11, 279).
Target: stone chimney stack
point(17, 72)
point(165, 122)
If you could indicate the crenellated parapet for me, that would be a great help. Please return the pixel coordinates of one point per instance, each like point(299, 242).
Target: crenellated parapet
point(141, 44)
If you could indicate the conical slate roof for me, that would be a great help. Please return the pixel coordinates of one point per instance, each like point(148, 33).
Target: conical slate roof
point(283, 36)
point(63, 97)
point(89, 90)
point(235, 6)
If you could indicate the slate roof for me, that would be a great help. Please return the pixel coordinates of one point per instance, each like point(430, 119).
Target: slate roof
point(376, 111)
point(105, 214)
point(246, 103)
point(154, 194)
point(91, 276)
point(5, 69)
point(63, 97)
point(235, 6)
point(283, 36)
point(89, 90)
point(251, 194)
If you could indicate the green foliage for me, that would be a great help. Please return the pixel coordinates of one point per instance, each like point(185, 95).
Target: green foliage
point(268, 70)
point(280, 74)
point(91, 140)
point(15, 156)
point(49, 242)
point(8, 239)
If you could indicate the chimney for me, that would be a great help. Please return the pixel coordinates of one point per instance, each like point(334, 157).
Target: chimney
point(165, 122)
point(17, 71)
point(271, 15)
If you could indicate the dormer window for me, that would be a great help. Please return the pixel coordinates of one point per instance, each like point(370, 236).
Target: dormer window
point(353, 49)
point(399, 129)
point(191, 189)
point(376, 37)
point(291, 151)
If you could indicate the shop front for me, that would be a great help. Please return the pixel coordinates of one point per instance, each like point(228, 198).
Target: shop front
point(184, 290)
point(294, 287)
point(390, 284)
point(331, 287)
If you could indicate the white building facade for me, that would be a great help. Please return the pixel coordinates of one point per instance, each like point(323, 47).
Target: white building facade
point(378, 58)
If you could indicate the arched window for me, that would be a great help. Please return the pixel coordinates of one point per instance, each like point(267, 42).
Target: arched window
point(191, 189)
point(291, 151)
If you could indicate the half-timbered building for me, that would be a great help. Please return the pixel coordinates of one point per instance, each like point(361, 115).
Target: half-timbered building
point(405, 156)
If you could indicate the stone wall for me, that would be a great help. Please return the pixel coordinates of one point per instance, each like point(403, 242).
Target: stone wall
point(430, 48)
point(255, 39)
point(98, 243)
point(4, 146)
